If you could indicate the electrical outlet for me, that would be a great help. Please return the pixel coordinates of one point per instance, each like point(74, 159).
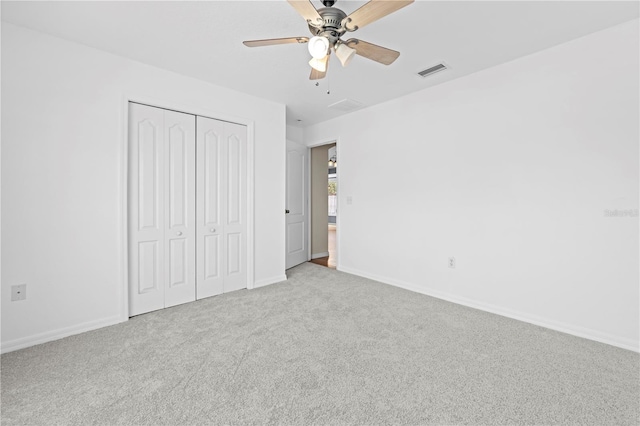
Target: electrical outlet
point(452, 262)
point(18, 292)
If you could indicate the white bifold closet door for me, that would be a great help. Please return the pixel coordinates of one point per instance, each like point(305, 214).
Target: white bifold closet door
point(187, 208)
point(162, 203)
point(221, 208)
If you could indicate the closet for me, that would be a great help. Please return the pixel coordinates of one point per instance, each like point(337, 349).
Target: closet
point(187, 203)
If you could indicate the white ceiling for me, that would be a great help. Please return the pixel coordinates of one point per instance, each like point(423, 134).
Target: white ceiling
point(204, 40)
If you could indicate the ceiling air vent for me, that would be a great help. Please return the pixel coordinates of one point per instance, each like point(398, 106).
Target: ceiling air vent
point(434, 69)
point(346, 105)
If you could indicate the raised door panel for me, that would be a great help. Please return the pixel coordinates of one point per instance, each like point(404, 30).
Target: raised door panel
point(148, 266)
point(180, 233)
point(148, 174)
point(178, 267)
point(209, 175)
point(234, 254)
point(233, 179)
point(295, 238)
point(211, 251)
point(211, 170)
point(146, 213)
point(178, 179)
point(295, 182)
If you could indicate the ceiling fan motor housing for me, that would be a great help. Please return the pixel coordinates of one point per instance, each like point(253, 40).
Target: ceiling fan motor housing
point(332, 27)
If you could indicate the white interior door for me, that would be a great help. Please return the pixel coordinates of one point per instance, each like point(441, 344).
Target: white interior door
point(161, 208)
point(208, 209)
point(221, 211)
point(297, 217)
point(146, 209)
point(180, 202)
point(235, 215)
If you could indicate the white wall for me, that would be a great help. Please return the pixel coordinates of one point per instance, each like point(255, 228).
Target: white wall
point(508, 170)
point(63, 110)
point(295, 134)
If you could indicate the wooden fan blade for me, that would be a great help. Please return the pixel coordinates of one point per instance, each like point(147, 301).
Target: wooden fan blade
point(374, 10)
point(318, 75)
point(307, 10)
point(374, 52)
point(273, 41)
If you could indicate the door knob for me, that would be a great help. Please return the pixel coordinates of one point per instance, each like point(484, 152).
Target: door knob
point(212, 230)
point(178, 233)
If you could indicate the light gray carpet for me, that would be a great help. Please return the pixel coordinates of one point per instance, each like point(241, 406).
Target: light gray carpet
point(324, 347)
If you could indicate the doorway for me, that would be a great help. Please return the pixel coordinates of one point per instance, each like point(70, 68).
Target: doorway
point(324, 205)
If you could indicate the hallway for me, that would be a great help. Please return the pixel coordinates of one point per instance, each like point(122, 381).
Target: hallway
point(331, 260)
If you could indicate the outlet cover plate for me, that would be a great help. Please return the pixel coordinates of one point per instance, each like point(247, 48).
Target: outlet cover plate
point(18, 292)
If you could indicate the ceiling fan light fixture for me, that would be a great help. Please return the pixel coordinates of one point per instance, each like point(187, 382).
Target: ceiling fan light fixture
point(328, 24)
point(319, 64)
point(345, 54)
point(318, 46)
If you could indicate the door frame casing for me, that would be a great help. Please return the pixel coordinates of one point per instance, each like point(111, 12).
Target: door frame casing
point(123, 178)
point(311, 145)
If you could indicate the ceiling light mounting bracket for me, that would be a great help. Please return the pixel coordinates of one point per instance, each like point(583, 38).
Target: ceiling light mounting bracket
point(352, 42)
point(344, 26)
point(319, 24)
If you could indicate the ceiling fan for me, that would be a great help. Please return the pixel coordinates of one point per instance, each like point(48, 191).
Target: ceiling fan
point(328, 24)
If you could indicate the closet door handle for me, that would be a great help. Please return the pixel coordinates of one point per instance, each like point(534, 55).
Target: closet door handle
point(178, 233)
point(212, 230)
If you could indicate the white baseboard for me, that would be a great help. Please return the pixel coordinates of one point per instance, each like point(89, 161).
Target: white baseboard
point(48, 336)
point(270, 281)
point(319, 255)
point(574, 330)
